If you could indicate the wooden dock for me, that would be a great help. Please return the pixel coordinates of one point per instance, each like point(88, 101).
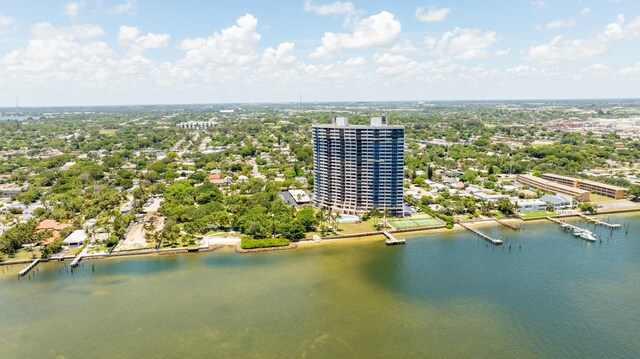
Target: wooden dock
point(515, 227)
point(76, 260)
point(495, 241)
point(568, 226)
point(391, 240)
point(599, 222)
point(29, 267)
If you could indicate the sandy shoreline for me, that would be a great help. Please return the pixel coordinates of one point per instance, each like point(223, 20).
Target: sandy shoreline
point(364, 237)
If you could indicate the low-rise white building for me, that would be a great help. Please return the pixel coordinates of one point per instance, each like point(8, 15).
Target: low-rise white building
point(76, 239)
point(531, 205)
point(299, 196)
point(558, 201)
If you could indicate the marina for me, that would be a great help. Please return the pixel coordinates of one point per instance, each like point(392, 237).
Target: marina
point(577, 231)
point(599, 222)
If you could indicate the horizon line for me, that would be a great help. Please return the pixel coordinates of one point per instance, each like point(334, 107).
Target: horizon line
point(22, 108)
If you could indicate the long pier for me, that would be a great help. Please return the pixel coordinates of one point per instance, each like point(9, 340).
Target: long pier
point(29, 267)
point(599, 222)
point(391, 240)
point(495, 241)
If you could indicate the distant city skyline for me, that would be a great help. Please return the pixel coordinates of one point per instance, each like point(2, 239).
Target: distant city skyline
point(121, 52)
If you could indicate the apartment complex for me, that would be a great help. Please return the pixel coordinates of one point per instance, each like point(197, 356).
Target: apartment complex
point(598, 188)
point(358, 167)
point(554, 187)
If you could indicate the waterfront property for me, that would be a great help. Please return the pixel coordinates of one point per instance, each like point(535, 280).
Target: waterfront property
point(531, 205)
point(554, 187)
point(76, 238)
point(453, 296)
point(559, 202)
point(358, 168)
point(598, 188)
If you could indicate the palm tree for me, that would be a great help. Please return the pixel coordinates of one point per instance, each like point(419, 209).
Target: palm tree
point(387, 214)
point(334, 217)
point(375, 213)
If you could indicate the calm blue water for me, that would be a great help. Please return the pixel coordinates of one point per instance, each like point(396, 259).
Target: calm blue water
point(446, 295)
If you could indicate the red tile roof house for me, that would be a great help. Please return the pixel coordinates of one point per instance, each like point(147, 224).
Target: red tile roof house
point(51, 225)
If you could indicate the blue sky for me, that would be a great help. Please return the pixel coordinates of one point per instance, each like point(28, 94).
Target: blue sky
point(146, 52)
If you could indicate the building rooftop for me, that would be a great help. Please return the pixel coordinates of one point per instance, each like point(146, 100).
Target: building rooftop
point(340, 122)
point(553, 184)
point(603, 185)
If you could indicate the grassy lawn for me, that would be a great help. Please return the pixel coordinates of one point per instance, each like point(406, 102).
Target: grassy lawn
point(596, 198)
point(349, 228)
point(76, 251)
point(100, 248)
point(23, 254)
point(464, 218)
point(540, 214)
point(498, 214)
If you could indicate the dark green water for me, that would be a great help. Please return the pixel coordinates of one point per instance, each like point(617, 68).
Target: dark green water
point(440, 295)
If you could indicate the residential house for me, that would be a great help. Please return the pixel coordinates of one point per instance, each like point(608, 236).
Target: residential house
point(531, 205)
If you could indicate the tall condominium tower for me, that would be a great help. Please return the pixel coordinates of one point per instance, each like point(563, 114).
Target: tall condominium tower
point(357, 167)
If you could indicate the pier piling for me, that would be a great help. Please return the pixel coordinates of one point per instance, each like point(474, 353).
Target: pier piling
point(490, 239)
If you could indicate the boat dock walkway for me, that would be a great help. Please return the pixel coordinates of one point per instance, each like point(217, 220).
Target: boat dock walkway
point(29, 267)
point(391, 240)
point(513, 226)
point(76, 260)
point(83, 253)
point(566, 226)
point(490, 239)
point(597, 221)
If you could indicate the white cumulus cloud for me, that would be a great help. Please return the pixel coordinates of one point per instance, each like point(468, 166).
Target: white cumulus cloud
point(374, 31)
point(232, 46)
point(281, 55)
point(130, 36)
point(558, 24)
point(630, 70)
point(128, 7)
point(73, 8)
point(559, 49)
point(335, 8)
point(465, 44)
point(355, 61)
point(539, 4)
point(432, 14)
point(5, 23)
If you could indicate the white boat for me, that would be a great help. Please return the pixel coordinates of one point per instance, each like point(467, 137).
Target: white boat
point(588, 236)
point(578, 232)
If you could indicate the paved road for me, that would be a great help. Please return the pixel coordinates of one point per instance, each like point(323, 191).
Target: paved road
point(255, 171)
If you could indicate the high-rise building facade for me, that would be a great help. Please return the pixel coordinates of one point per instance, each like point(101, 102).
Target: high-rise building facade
point(357, 167)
